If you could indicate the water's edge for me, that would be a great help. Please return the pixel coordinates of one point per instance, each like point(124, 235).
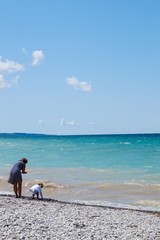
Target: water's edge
point(95, 204)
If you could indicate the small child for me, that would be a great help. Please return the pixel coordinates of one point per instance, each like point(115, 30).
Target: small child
point(36, 190)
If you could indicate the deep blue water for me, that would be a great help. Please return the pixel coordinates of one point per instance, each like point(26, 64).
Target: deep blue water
point(93, 151)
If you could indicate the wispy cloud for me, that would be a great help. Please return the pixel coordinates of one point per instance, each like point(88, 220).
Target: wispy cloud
point(10, 67)
point(71, 123)
point(41, 122)
point(67, 123)
point(62, 122)
point(24, 51)
point(7, 84)
point(78, 85)
point(3, 84)
point(38, 57)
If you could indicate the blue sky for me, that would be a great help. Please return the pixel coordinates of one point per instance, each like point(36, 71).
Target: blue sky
point(80, 66)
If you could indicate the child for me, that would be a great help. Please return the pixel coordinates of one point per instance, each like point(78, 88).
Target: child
point(36, 190)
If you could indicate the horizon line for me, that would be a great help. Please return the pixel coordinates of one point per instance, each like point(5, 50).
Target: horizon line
point(92, 134)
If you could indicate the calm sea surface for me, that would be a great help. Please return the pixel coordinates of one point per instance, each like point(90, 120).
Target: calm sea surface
point(113, 168)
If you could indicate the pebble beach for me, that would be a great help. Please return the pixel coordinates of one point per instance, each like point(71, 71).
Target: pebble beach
point(23, 218)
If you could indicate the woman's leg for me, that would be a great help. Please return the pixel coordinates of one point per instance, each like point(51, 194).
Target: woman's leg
point(15, 189)
point(19, 189)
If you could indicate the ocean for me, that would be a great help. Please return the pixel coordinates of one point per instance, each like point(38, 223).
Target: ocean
point(119, 169)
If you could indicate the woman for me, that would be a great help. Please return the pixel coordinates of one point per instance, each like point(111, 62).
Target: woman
point(15, 177)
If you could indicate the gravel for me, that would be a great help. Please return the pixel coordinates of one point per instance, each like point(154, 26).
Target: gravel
point(50, 219)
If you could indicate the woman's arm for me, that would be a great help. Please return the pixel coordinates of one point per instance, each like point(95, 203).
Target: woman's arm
point(24, 169)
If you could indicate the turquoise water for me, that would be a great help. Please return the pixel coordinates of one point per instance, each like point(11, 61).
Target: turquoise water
point(115, 168)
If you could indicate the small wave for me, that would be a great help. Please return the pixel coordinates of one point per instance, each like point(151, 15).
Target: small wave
point(127, 186)
point(52, 185)
point(3, 179)
point(49, 185)
point(143, 184)
point(150, 203)
point(99, 170)
point(125, 143)
point(148, 166)
point(5, 192)
point(133, 184)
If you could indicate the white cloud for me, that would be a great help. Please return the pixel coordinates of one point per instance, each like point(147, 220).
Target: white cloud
point(3, 84)
point(38, 57)
point(10, 67)
point(71, 123)
point(74, 82)
point(6, 84)
point(68, 123)
point(62, 122)
point(15, 81)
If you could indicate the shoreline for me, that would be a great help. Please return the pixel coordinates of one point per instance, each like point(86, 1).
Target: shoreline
point(101, 204)
point(23, 218)
point(122, 194)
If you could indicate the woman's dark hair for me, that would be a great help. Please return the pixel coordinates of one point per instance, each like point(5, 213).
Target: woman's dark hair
point(24, 160)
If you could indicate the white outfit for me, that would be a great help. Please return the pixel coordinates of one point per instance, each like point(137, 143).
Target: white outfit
point(36, 189)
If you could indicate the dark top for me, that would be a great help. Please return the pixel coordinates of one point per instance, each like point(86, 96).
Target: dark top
point(15, 173)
